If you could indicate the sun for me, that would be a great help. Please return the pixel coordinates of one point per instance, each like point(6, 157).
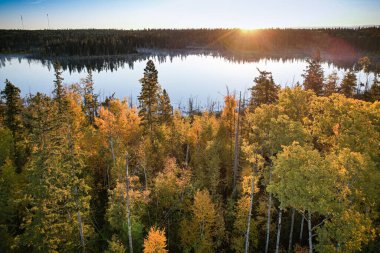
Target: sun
point(247, 30)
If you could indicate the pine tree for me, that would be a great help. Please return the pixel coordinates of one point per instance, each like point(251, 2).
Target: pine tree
point(165, 110)
point(14, 121)
point(90, 100)
point(374, 91)
point(59, 92)
point(348, 85)
point(57, 194)
point(13, 107)
point(313, 75)
point(331, 85)
point(265, 91)
point(364, 64)
point(149, 96)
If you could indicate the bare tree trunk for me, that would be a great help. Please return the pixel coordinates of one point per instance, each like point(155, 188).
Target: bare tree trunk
point(310, 232)
point(187, 154)
point(112, 150)
point(278, 230)
point(146, 188)
point(250, 212)
point(301, 230)
point(108, 177)
point(268, 212)
point(236, 155)
point(81, 232)
point(291, 231)
point(127, 206)
point(113, 155)
point(145, 178)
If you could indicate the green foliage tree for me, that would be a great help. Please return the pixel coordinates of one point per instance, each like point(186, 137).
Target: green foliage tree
point(117, 215)
point(90, 99)
point(14, 121)
point(298, 171)
point(56, 192)
point(11, 210)
point(14, 107)
point(331, 85)
point(204, 232)
point(170, 193)
point(265, 91)
point(374, 91)
point(149, 96)
point(313, 76)
point(165, 110)
point(59, 92)
point(346, 232)
point(348, 85)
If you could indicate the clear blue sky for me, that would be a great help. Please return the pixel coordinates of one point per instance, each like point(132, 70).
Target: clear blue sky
point(138, 14)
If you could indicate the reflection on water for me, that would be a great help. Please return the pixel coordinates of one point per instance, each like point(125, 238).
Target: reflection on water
point(113, 63)
point(201, 74)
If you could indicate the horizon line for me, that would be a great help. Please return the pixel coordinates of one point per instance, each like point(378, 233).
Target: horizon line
point(202, 28)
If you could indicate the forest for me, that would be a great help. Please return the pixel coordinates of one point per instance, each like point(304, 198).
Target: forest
point(292, 169)
point(340, 42)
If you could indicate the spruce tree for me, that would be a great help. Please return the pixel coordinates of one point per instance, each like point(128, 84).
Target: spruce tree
point(13, 120)
point(165, 109)
point(348, 84)
point(331, 84)
point(57, 195)
point(374, 91)
point(13, 107)
point(59, 91)
point(265, 91)
point(90, 100)
point(149, 96)
point(313, 75)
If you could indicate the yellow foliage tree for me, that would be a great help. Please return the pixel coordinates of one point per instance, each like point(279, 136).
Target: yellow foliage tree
point(155, 241)
point(205, 231)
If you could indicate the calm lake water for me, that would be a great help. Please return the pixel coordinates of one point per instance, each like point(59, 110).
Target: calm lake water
point(200, 76)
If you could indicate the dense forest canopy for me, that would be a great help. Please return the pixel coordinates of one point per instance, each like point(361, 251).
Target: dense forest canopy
point(335, 41)
point(292, 169)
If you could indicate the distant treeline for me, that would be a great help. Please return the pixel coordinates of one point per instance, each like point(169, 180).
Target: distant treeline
point(338, 41)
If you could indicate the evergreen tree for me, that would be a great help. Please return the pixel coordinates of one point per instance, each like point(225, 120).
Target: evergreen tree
point(59, 91)
point(14, 121)
point(374, 91)
point(313, 75)
point(90, 100)
point(364, 64)
point(331, 85)
point(265, 91)
point(149, 96)
point(13, 107)
point(165, 110)
point(348, 85)
point(57, 195)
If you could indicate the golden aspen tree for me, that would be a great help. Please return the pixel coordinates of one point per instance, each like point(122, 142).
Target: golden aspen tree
point(155, 242)
point(204, 232)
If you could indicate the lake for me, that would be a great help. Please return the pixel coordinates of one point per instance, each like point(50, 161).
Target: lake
point(203, 77)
